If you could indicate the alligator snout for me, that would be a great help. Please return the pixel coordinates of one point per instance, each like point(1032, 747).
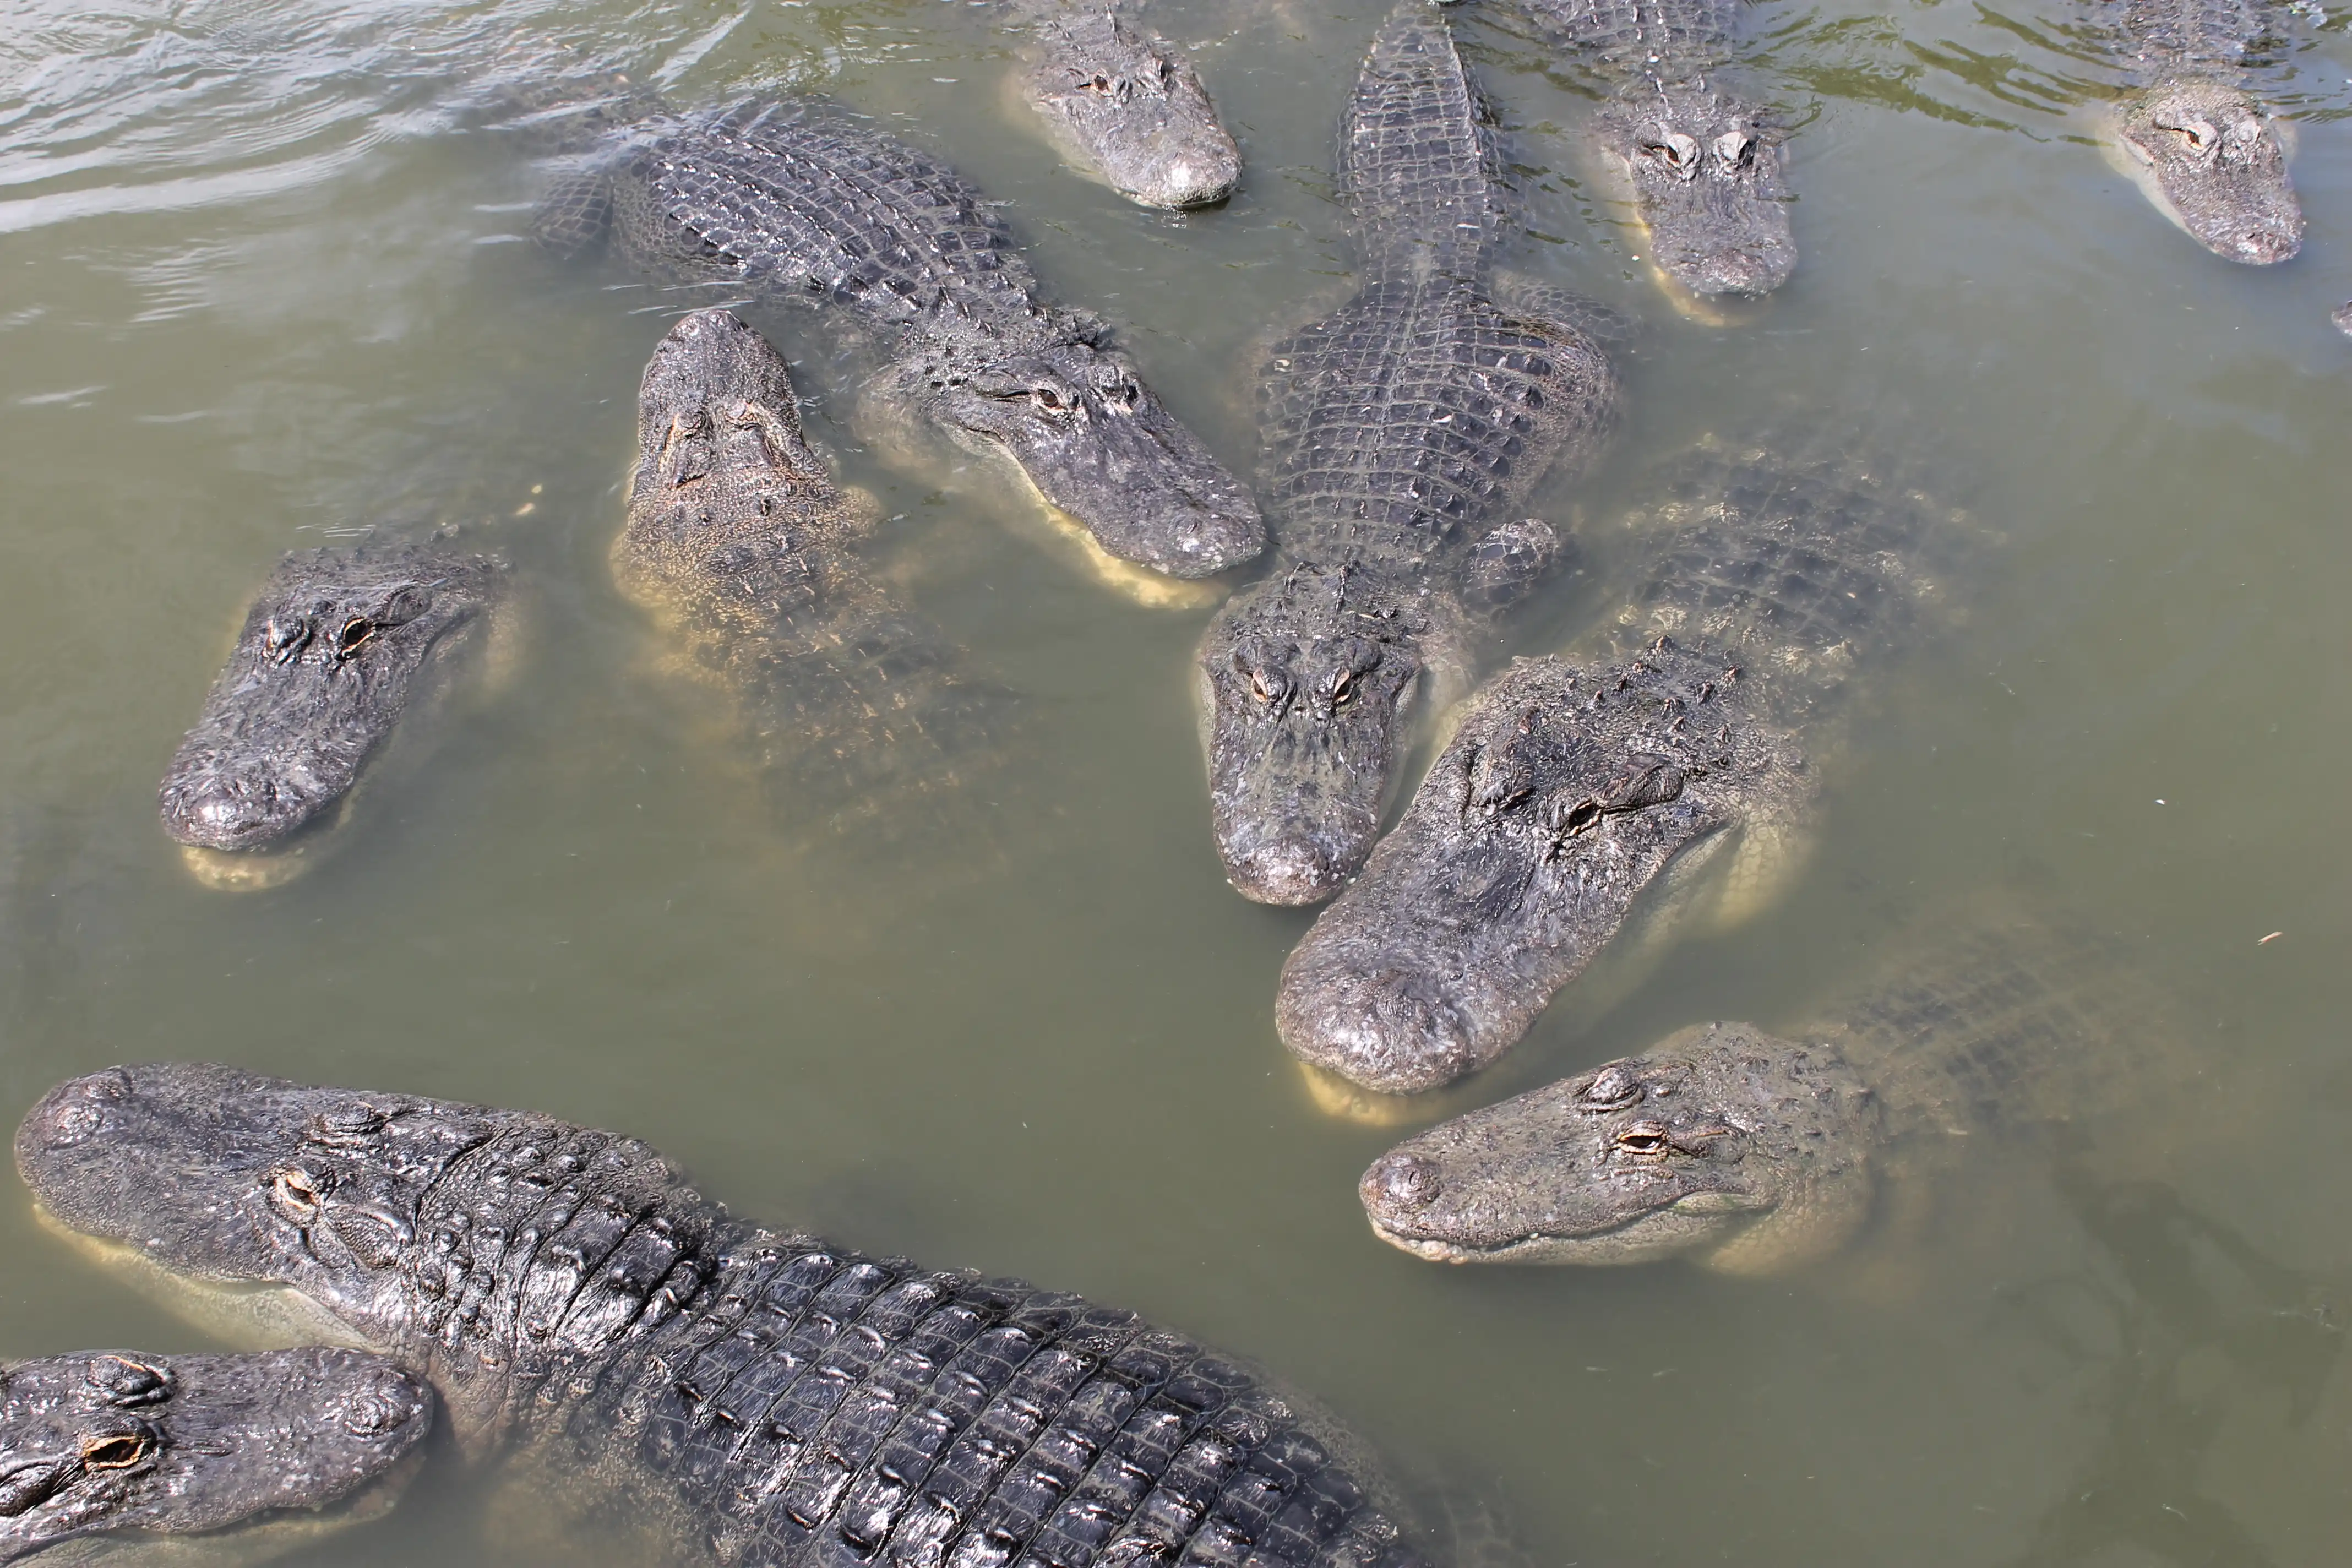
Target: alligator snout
point(1747, 271)
point(227, 813)
point(1394, 1030)
point(1289, 871)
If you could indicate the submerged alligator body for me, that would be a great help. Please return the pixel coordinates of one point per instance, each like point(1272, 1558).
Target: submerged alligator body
point(794, 202)
point(1691, 738)
point(1126, 104)
point(762, 1397)
point(1401, 431)
point(337, 648)
point(1753, 1152)
point(106, 1444)
point(2207, 152)
point(1702, 162)
point(738, 540)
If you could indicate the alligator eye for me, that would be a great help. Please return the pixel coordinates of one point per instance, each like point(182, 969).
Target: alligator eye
point(1734, 148)
point(356, 631)
point(1099, 85)
point(1263, 691)
point(1343, 686)
point(296, 1195)
point(1678, 151)
point(118, 1452)
point(1643, 1138)
point(1046, 398)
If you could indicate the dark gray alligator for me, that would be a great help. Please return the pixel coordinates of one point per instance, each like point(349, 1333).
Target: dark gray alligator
point(1401, 431)
point(2207, 152)
point(1126, 104)
point(338, 646)
point(1693, 731)
point(113, 1443)
point(757, 1395)
point(739, 542)
point(1702, 162)
point(1751, 1152)
point(798, 202)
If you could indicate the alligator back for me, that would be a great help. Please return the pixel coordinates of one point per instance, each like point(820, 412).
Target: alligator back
point(1666, 41)
point(2171, 37)
point(1417, 155)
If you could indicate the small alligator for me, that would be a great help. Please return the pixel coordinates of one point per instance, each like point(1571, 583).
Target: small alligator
point(1401, 429)
point(340, 644)
point(760, 1397)
point(1703, 163)
point(738, 541)
point(2208, 154)
point(1753, 1152)
point(793, 203)
point(1694, 732)
point(1124, 103)
point(110, 1442)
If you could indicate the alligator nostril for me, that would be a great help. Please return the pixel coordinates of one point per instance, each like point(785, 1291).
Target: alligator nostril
point(1405, 1181)
point(1284, 874)
point(77, 1113)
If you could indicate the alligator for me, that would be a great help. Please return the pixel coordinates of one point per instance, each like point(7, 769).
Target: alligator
point(2204, 150)
point(796, 202)
point(1753, 1152)
point(249, 1447)
point(340, 644)
point(762, 1397)
point(1124, 103)
point(1400, 432)
point(740, 542)
point(1693, 730)
point(1702, 163)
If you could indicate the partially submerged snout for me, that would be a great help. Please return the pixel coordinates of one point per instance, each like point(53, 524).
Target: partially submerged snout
point(1706, 173)
point(1127, 104)
point(332, 653)
point(1302, 713)
point(2211, 160)
point(1095, 443)
point(123, 1444)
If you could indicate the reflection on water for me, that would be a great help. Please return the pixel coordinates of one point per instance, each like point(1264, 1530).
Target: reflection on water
point(262, 283)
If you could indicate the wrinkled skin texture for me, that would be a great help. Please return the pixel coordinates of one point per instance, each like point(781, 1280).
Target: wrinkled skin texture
point(1689, 738)
point(2216, 159)
point(333, 651)
point(1401, 431)
point(1676, 1152)
point(798, 207)
point(739, 544)
point(1127, 104)
point(119, 1441)
point(1707, 179)
point(757, 1396)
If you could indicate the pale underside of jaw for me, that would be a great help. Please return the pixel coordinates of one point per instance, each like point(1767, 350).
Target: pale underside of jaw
point(243, 1314)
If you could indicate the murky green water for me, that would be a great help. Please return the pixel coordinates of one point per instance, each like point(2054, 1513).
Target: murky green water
point(259, 285)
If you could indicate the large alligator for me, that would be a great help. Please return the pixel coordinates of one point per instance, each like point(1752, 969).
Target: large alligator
point(252, 1448)
point(1702, 161)
point(2205, 151)
point(1124, 103)
point(1751, 1152)
point(799, 203)
point(738, 541)
point(758, 1396)
point(1692, 731)
point(1401, 431)
point(340, 644)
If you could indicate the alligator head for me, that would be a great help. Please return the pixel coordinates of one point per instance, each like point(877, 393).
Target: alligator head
point(111, 1441)
point(1705, 176)
point(1304, 683)
point(1128, 104)
point(1725, 1145)
point(332, 652)
point(1095, 443)
point(2216, 165)
point(1564, 797)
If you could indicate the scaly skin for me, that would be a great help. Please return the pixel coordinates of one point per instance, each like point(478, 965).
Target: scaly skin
point(1703, 162)
point(757, 1396)
point(1400, 432)
point(2212, 159)
point(336, 648)
point(793, 204)
point(741, 545)
point(1126, 104)
point(103, 1444)
point(1692, 731)
point(1753, 1152)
